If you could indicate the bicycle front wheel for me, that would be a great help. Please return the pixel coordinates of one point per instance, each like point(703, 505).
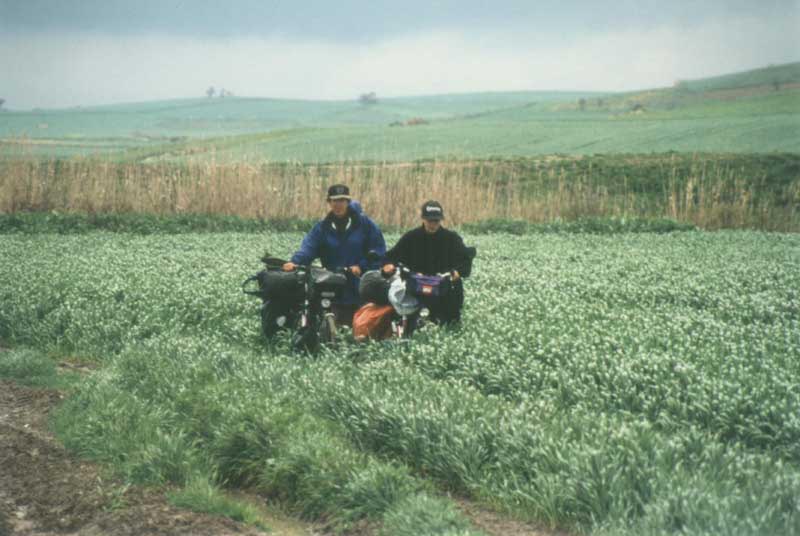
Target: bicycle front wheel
point(327, 329)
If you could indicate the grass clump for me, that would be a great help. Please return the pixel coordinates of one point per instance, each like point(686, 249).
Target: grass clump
point(200, 495)
point(321, 477)
point(33, 368)
point(168, 415)
point(26, 365)
point(439, 517)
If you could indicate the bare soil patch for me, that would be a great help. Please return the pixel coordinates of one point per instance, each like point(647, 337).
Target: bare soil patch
point(498, 525)
point(46, 491)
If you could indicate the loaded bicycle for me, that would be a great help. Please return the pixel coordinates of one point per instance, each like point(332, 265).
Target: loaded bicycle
point(401, 301)
point(299, 300)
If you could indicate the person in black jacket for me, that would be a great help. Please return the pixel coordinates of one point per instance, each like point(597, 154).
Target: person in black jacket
point(431, 249)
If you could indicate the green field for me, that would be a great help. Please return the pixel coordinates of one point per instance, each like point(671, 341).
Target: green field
point(618, 370)
point(118, 127)
point(635, 384)
point(740, 113)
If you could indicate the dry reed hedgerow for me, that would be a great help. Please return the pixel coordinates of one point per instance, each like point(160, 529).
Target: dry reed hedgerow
point(712, 196)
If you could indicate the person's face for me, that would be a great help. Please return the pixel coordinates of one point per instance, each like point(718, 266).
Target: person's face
point(431, 226)
point(338, 206)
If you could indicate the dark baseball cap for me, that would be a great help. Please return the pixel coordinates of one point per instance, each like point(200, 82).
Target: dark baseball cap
point(338, 191)
point(432, 210)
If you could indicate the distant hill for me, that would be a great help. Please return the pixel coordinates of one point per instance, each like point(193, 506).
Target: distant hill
point(765, 82)
point(202, 118)
point(753, 111)
point(768, 76)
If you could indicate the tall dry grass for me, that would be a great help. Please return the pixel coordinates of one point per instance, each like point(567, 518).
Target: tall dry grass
point(391, 193)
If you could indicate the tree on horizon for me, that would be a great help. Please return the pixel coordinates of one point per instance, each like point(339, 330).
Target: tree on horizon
point(368, 98)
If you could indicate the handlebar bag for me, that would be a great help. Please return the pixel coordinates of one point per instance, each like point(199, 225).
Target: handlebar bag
point(428, 285)
point(327, 281)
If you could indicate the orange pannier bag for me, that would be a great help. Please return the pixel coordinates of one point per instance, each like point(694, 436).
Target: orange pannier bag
point(373, 321)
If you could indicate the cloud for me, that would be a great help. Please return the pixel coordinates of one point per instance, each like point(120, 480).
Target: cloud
point(662, 55)
point(54, 70)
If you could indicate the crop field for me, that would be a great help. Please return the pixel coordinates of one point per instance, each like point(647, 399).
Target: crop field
point(207, 118)
point(573, 133)
point(614, 384)
point(763, 124)
point(752, 112)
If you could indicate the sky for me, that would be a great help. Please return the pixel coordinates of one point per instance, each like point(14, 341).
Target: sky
point(66, 53)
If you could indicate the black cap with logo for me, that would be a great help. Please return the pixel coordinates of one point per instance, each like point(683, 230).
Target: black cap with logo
point(432, 210)
point(338, 191)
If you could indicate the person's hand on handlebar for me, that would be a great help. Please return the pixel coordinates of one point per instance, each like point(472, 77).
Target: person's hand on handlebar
point(355, 270)
point(289, 266)
point(454, 275)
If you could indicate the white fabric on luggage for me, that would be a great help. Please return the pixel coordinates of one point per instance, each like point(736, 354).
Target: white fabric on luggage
point(402, 301)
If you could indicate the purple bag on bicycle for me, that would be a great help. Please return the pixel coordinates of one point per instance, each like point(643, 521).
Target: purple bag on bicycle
point(427, 285)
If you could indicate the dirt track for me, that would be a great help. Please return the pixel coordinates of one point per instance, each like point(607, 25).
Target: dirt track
point(45, 491)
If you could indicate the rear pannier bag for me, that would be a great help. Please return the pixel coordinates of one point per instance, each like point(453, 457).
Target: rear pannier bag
point(275, 315)
point(373, 322)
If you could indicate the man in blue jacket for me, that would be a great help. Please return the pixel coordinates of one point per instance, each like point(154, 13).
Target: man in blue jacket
point(342, 240)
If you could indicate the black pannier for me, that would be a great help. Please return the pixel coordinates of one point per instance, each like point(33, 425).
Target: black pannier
point(374, 288)
point(327, 281)
point(276, 285)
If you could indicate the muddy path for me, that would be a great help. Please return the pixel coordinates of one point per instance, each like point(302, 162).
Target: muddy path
point(46, 491)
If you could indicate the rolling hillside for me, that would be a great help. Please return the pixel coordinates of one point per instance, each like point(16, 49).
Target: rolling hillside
point(202, 118)
point(756, 111)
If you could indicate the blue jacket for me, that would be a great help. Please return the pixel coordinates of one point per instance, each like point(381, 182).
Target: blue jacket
point(342, 249)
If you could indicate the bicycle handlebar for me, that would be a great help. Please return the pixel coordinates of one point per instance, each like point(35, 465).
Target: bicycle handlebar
point(344, 270)
point(405, 272)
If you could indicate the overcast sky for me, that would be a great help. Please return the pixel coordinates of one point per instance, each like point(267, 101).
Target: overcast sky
point(60, 53)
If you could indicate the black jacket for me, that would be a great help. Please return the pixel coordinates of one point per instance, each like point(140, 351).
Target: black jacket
point(430, 254)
